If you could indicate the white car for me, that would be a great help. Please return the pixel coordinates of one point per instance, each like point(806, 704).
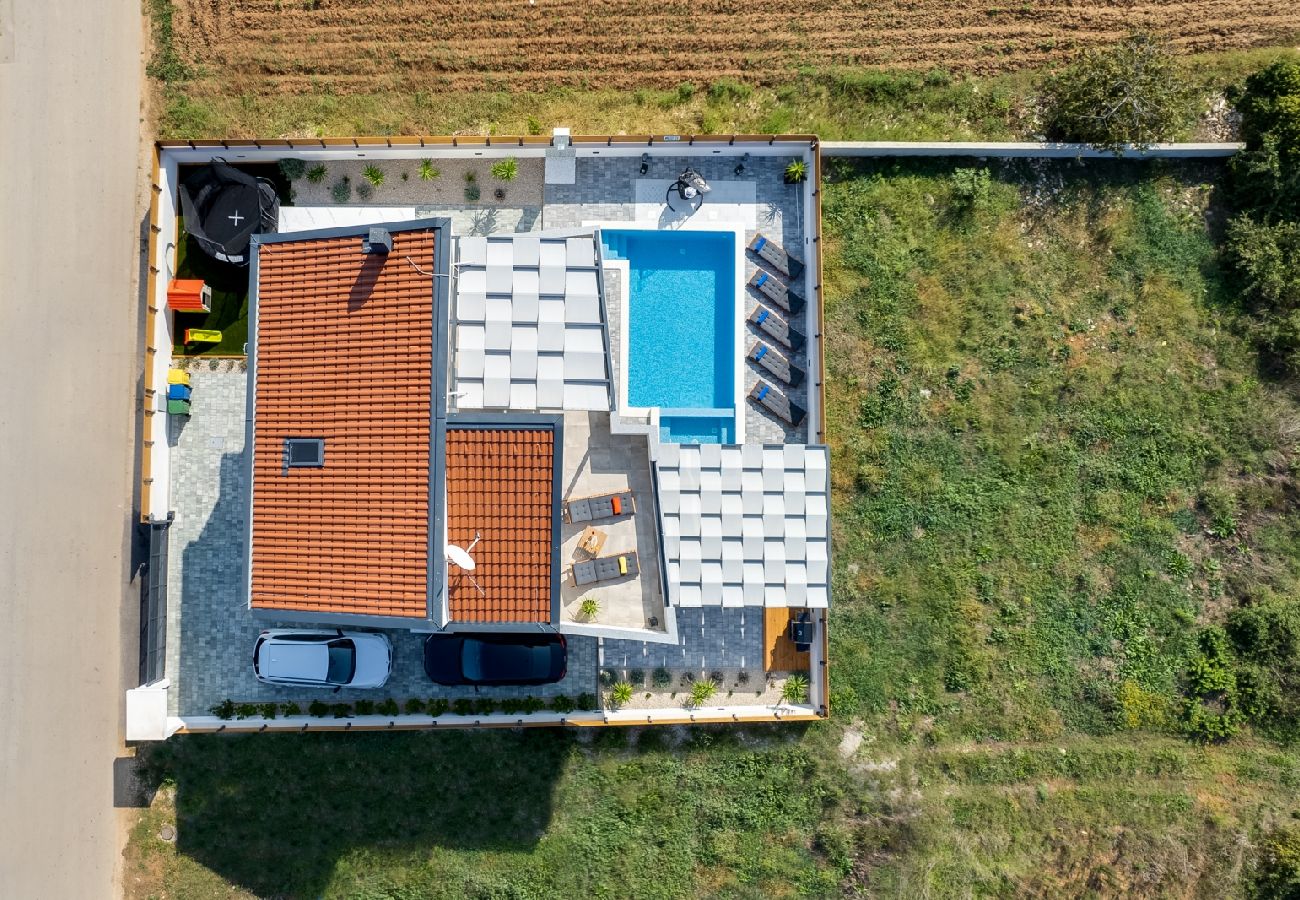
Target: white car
point(323, 659)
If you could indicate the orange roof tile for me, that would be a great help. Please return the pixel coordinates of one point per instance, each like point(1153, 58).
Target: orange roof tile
point(500, 485)
point(344, 352)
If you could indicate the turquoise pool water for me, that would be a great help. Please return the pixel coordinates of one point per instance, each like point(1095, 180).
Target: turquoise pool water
point(681, 353)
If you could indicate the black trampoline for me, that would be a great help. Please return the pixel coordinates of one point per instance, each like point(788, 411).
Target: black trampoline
point(225, 207)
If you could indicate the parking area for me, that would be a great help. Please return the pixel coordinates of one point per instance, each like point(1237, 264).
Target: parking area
point(210, 630)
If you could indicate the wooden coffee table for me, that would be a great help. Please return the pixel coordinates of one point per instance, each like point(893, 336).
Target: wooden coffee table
point(592, 541)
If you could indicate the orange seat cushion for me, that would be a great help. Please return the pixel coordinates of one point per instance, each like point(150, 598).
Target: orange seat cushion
point(617, 503)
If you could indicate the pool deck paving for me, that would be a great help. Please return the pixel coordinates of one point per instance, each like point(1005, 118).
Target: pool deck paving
point(605, 190)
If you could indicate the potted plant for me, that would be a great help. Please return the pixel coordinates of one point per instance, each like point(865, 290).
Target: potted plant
point(796, 172)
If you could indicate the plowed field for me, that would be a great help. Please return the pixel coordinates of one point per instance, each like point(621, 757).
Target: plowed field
point(367, 45)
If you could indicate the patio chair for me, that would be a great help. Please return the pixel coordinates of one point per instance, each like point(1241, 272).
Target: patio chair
point(775, 254)
point(775, 363)
point(604, 506)
point(605, 568)
point(785, 297)
point(777, 327)
point(801, 632)
point(778, 403)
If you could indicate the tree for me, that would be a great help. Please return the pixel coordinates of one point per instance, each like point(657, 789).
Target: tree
point(1270, 109)
point(1267, 259)
point(1128, 95)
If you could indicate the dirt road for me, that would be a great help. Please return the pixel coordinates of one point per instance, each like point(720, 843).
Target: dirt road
point(69, 247)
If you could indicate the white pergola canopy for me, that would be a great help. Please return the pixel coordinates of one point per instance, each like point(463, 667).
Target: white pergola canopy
point(528, 325)
point(745, 525)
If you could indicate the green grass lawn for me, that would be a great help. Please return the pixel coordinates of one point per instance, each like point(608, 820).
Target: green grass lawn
point(1053, 460)
point(229, 313)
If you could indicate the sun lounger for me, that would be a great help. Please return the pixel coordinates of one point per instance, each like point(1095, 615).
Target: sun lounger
point(777, 327)
point(775, 363)
point(771, 287)
point(773, 252)
point(605, 506)
point(778, 403)
point(606, 568)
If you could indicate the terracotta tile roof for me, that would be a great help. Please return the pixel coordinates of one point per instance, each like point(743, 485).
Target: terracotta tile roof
point(344, 352)
point(499, 484)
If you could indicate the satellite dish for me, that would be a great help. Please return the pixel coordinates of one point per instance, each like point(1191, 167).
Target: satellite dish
point(460, 558)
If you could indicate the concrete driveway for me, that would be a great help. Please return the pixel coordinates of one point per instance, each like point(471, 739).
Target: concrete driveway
point(70, 212)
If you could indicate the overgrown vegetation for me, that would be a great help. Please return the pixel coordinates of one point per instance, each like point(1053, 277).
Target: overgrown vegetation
point(836, 103)
point(1132, 94)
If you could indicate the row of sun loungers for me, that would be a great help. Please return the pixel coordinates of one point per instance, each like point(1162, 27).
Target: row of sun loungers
point(778, 403)
point(605, 568)
point(775, 363)
point(605, 506)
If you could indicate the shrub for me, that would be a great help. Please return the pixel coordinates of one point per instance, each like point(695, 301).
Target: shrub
point(316, 174)
point(590, 608)
point(224, 710)
point(1267, 632)
point(1132, 93)
point(510, 706)
point(562, 704)
point(534, 126)
point(636, 677)
point(1267, 260)
point(318, 709)
point(620, 694)
point(292, 709)
point(688, 678)
point(364, 190)
point(702, 692)
point(292, 169)
point(1270, 108)
point(269, 710)
point(342, 191)
point(586, 702)
point(437, 706)
point(470, 178)
point(484, 706)
point(506, 169)
point(795, 689)
point(388, 707)
point(661, 678)
point(685, 91)
point(245, 711)
point(742, 678)
point(414, 706)
point(606, 677)
point(341, 710)
point(428, 171)
point(1277, 873)
point(374, 175)
point(796, 171)
point(364, 707)
point(532, 705)
point(462, 707)
point(472, 193)
point(716, 676)
point(970, 188)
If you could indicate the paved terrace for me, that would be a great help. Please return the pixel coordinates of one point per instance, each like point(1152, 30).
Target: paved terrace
point(210, 631)
point(606, 190)
point(598, 462)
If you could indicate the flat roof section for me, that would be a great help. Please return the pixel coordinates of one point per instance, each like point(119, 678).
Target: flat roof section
point(501, 487)
point(343, 352)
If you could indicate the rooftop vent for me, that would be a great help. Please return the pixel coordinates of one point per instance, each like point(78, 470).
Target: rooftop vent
point(377, 241)
point(304, 452)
